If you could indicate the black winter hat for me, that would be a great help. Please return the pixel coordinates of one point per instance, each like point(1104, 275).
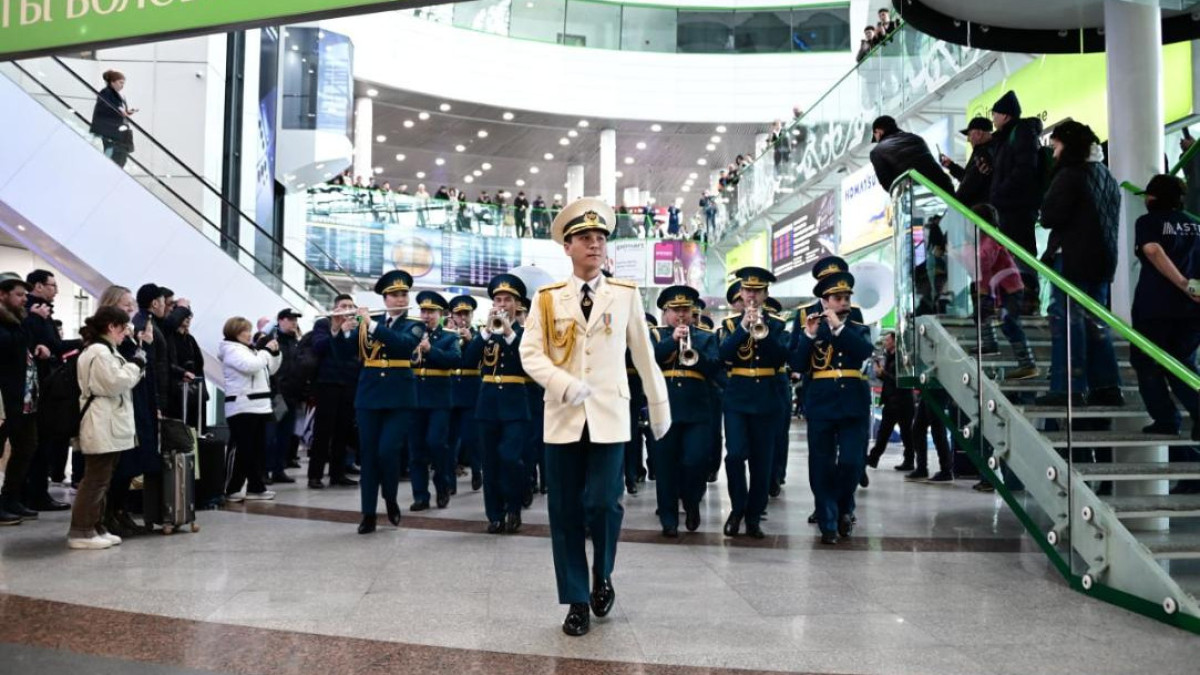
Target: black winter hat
point(1008, 105)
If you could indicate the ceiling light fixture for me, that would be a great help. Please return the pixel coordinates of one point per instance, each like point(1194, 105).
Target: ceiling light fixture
point(508, 116)
point(486, 166)
point(477, 173)
point(408, 124)
point(572, 133)
point(420, 174)
point(401, 158)
point(702, 161)
point(482, 133)
point(372, 93)
point(583, 124)
point(656, 128)
point(564, 141)
point(715, 139)
point(549, 156)
point(460, 148)
point(558, 196)
point(629, 160)
point(641, 145)
point(423, 115)
point(710, 147)
point(381, 139)
point(378, 170)
point(534, 169)
point(520, 182)
point(693, 175)
point(620, 174)
point(720, 128)
point(468, 179)
point(686, 188)
point(439, 161)
point(445, 107)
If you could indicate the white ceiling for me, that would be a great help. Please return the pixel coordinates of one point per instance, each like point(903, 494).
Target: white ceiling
point(1041, 14)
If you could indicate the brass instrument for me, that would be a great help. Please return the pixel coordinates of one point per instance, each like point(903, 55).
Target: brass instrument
point(497, 322)
point(759, 330)
point(350, 312)
point(688, 356)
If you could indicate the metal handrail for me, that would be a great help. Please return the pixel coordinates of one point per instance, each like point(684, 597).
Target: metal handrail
point(1135, 338)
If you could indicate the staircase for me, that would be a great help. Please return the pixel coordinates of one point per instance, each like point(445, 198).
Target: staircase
point(1108, 524)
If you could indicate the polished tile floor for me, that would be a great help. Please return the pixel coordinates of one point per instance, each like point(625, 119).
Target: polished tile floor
point(938, 579)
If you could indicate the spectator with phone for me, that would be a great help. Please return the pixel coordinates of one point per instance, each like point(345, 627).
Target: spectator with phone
point(110, 119)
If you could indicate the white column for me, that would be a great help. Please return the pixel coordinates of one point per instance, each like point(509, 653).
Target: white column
point(1133, 35)
point(364, 137)
point(574, 182)
point(1195, 74)
point(608, 166)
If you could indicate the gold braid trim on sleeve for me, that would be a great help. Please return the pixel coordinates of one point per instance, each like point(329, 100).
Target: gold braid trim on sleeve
point(564, 341)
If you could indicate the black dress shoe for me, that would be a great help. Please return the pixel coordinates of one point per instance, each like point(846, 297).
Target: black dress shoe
point(543, 489)
point(293, 464)
point(1108, 396)
point(443, 500)
point(512, 522)
point(495, 527)
point(641, 475)
point(864, 480)
point(733, 524)
point(906, 466)
point(603, 597)
point(631, 487)
point(367, 526)
point(812, 518)
point(453, 491)
point(476, 482)
point(712, 477)
point(774, 490)
point(671, 532)
point(343, 481)
point(845, 525)
point(419, 506)
point(21, 510)
point(578, 621)
point(352, 471)
point(527, 499)
point(129, 524)
point(393, 513)
point(281, 477)
point(692, 519)
point(754, 531)
point(829, 538)
point(49, 504)
point(873, 460)
point(316, 485)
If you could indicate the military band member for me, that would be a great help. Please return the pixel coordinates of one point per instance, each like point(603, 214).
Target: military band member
point(464, 440)
point(434, 362)
point(535, 446)
point(688, 358)
point(751, 411)
point(784, 384)
point(717, 385)
point(502, 413)
point(386, 396)
point(574, 346)
point(830, 351)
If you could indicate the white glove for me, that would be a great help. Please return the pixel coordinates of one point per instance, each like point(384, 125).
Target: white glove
point(581, 394)
point(660, 429)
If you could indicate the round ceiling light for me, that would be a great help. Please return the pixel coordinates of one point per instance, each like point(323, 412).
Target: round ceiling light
point(656, 128)
point(548, 156)
point(381, 139)
point(439, 161)
point(408, 124)
point(445, 107)
point(486, 166)
point(641, 145)
point(423, 115)
point(372, 93)
point(534, 169)
point(720, 128)
point(460, 148)
point(508, 116)
point(401, 158)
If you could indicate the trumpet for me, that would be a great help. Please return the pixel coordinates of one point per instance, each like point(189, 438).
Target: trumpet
point(497, 322)
point(688, 356)
point(759, 330)
point(350, 312)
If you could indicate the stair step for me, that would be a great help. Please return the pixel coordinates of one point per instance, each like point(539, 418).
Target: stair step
point(1171, 545)
point(1043, 384)
point(1139, 470)
point(1155, 506)
point(1060, 411)
point(1114, 439)
point(969, 321)
point(1005, 360)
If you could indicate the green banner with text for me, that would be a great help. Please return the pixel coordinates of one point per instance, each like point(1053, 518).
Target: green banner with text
point(32, 27)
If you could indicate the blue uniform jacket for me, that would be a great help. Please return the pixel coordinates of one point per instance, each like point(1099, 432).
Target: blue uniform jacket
point(841, 397)
point(394, 387)
point(466, 386)
point(434, 384)
point(689, 396)
point(815, 308)
point(499, 401)
point(753, 394)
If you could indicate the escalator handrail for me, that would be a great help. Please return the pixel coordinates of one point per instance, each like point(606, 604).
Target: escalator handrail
point(1083, 299)
point(201, 179)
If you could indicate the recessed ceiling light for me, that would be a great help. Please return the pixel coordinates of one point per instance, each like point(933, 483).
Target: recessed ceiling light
point(460, 148)
point(710, 147)
point(468, 179)
point(482, 133)
point(702, 161)
point(508, 116)
point(381, 139)
point(445, 107)
point(372, 93)
point(486, 166)
point(629, 160)
point(439, 161)
point(620, 174)
point(686, 188)
point(408, 124)
point(641, 145)
point(529, 5)
point(715, 139)
point(558, 196)
point(378, 170)
point(583, 124)
point(548, 156)
point(720, 128)
point(534, 169)
point(564, 141)
point(693, 176)
point(420, 174)
point(567, 185)
point(477, 173)
point(400, 158)
point(423, 115)
point(520, 182)
point(656, 128)
point(572, 133)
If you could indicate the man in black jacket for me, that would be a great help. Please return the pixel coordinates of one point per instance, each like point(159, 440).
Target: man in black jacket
point(899, 151)
point(336, 380)
point(975, 179)
point(283, 445)
point(18, 387)
point(53, 447)
point(152, 306)
point(1016, 190)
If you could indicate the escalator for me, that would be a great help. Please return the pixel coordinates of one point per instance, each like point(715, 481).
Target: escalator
point(1091, 488)
point(155, 220)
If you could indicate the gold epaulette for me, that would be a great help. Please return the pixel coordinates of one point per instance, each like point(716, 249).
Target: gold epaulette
point(657, 335)
point(550, 287)
point(706, 330)
point(729, 325)
point(622, 282)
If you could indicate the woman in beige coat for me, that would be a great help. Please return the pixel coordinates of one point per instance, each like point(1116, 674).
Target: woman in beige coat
point(106, 425)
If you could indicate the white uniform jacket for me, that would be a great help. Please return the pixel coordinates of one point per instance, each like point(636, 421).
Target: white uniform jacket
point(598, 359)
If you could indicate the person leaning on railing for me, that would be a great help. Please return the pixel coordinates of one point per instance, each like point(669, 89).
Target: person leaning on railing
point(1166, 305)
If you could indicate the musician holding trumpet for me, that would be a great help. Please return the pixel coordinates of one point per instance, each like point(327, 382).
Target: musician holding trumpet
point(464, 441)
point(753, 350)
point(830, 352)
point(688, 359)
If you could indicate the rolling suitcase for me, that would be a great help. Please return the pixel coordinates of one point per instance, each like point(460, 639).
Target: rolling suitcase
point(179, 472)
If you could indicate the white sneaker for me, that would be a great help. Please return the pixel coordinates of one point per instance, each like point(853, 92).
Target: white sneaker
point(237, 497)
point(263, 496)
point(114, 539)
point(94, 543)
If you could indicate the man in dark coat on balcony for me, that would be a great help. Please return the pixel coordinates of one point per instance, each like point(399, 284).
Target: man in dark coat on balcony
point(899, 151)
